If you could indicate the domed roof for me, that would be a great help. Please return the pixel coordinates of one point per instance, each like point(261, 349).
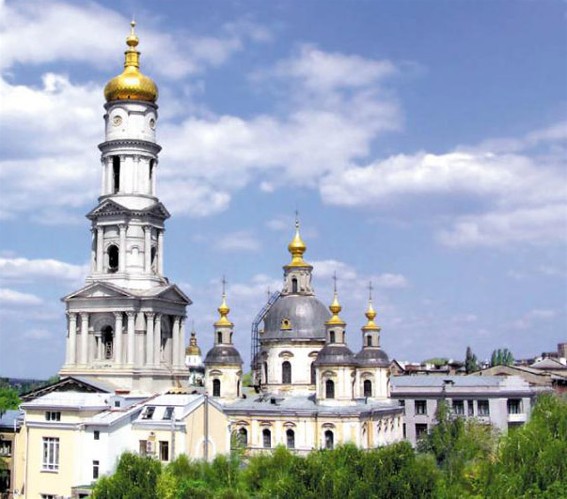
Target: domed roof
point(296, 317)
point(223, 354)
point(131, 84)
point(372, 357)
point(335, 355)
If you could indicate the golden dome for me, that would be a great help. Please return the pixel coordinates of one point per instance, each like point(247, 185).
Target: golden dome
point(131, 84)
point(193, 348)
point(335, 308)
point(297, 247)
point(223, 311)
point(370, 315)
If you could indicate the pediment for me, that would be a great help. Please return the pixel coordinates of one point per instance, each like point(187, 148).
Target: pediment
point(173, 293)
point(98, 290)
point(110, 207)
point(70, 384)
point(106, 208)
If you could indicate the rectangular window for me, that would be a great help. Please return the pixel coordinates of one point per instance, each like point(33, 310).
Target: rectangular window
point(50, 454)
point(420, 430)
point(514, 406)
point(5, 482)
point(470, 408)
point(164, 450)
point(404, 430)
point(421, 407)
point(5, 448)
point(53, 416)
point(96, 468)
point(96, 435)
point(459, 407)
point(47, 496)
point(149, 412)
point(483, 408)
point(168, 413)
point(142, 449)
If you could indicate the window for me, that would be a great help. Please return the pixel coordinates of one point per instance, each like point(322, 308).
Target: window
point(96, 468)
point(153, 254)
point(329, 440)
point(242, 437)
point(313, 374)
point(367, 388)
point(143, 447)
point(219, 337)
point(404, 430)
point(459, 407)
point(149, 412)
point(48, 496)
point(216, 387)
point(267, 439)
point(420, 430)
point(96, 435)
point(50, 454)
point(286, 373)
point(112, 253)
point(421, 407)
point(483, 408)
point(152, 165)
point(294, 285)
point(53, 416)
point(265, 372)
point(5, 480)
point(330, 389)
point(168, 414)
point(164, 450)
point(116, 174)
point(5, 448)
point(470, 408)
point(290, 439)
point(369, 341)
point(331, 336)
point(514, 406)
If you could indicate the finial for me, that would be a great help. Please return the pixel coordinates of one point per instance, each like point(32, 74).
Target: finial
point(297, 247)
point(297, 219)
point(370, 288)
point(223, 308)
point(335, 282)
point(223, 286)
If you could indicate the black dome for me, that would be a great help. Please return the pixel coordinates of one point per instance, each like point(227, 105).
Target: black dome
point(220, 354)
point(372, 357)
point(335, 355)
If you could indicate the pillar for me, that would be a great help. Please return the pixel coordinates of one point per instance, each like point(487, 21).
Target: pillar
point(84, 337)
point(160, 252)
point(122, 255)
point(150, 338)
point(93, 249)
point(175, 338)
point(118, 337)
point(130, 354)
point(72, 345)
point(181, 352)
point(147, 248)
point(157, 340)
point(99, 248)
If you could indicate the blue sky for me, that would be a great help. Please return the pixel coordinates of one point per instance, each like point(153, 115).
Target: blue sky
point(423, 143)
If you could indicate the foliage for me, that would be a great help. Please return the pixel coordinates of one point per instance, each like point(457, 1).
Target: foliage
point(501, 357)
point(8, 399)
point(437, 361)
point(247, 379)
point(471, 362)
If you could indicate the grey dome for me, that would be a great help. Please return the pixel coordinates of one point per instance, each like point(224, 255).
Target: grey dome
point(335, 355)
point(307, 316)
point(223, 354)
point(372, 357)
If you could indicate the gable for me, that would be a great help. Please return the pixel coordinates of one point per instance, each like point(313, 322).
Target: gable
point(110, 207)
point(64, 385)
point(173, 293)
point(98, 290)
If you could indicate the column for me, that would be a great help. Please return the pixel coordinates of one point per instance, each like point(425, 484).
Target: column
point(93, 249)
point(147, 249)
point(153, 181)
point(84, 338)
point(99, 248)
point(150, 338)
point(181, 353)
point(175, 338)
point(157, 340)
point(131, 337)
point(72, 345)
point(103, 179)
point(160, 252)
point(118, 337)
point(122, 255)
point(135, 174)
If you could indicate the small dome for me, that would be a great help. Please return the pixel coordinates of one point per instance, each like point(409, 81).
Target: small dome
point(372, 357)
point(304, 318)
point(131, 84)
point(335, 355)
point(222, 354)
point(193, 348)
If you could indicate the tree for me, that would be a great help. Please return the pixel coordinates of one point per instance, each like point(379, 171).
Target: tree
point(8, 399)
point(501, 357)
point(471, 362)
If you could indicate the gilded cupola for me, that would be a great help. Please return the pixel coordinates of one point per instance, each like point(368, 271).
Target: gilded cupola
point(370, 315)
point(297, 248)
point(193, 348)
point(131, 84)
point(223, 311)
point(335, 308)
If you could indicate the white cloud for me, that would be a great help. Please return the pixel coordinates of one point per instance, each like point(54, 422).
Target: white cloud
point(23, 269)
point(10, 297)
point(238, 241)
point(37, 334)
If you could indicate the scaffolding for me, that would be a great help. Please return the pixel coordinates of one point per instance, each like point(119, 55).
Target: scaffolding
point(255, 363)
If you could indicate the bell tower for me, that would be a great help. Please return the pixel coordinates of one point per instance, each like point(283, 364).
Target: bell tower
point(126, 326)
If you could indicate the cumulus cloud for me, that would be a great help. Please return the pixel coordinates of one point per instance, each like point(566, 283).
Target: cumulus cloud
point(24, 269)
point(10, 297)
point(242, 240)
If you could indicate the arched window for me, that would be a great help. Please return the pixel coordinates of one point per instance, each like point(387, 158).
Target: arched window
point(267, 438)
point(115, 174)
point(112, 252)
point(265, 372)
point(152, 165)
point(369, 341)
point(330, 389)
point(294, 285)
point(331, 336)
point(329, 440)
point(242, 437)
point(367, 388)
point(107, 342)
point(216, 387)
point(219, 337)
point(290, 439)
point(286, 373)
point(153, 254)
point(313, 374)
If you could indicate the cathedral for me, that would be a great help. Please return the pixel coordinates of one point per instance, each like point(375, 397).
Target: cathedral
point(129, 383)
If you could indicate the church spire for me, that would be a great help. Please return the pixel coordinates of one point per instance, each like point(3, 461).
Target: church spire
point(297, 247)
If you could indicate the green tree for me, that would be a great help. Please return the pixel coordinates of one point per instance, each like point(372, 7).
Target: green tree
point(471, 362)
point(501, 357)
point(8, 399)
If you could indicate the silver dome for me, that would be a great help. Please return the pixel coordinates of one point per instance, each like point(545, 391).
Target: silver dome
point(335, 355)
point(221, 354)
point(306, 314)
point(372, 357)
